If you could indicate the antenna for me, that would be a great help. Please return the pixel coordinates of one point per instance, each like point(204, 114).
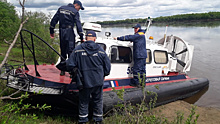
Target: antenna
point(149, 20)
point(165, 36)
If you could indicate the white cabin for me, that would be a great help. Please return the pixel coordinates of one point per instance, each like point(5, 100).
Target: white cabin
point(173, 56)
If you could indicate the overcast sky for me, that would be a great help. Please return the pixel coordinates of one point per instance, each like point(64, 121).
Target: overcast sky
point(104, 10)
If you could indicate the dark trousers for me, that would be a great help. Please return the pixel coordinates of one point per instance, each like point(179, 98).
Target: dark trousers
point(96, 96)
point(138, 68)
point(66, 48)
point(67, 42)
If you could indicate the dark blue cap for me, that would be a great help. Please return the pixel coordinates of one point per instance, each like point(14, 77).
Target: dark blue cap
point(90, 34)
point(79, 3)
point(137, 26)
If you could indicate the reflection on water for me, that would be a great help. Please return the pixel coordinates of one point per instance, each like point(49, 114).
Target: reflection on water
point(193, 99)
point(206, 40)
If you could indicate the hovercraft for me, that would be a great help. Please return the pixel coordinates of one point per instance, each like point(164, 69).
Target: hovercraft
point(168, 62)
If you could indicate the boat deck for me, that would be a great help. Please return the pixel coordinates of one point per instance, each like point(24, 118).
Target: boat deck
point(50, 81)
point(49, 73)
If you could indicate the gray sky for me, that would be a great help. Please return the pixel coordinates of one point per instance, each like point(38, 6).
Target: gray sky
point(100, 10)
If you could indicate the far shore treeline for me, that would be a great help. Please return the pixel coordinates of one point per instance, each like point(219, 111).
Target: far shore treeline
point(210, 16)
point(39, 23)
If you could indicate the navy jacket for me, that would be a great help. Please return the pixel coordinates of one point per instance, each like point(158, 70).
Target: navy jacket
point(67, 17)
point(92, 61)
point(139, 43)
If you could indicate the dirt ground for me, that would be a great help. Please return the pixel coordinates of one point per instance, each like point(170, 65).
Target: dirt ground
point(206, 115)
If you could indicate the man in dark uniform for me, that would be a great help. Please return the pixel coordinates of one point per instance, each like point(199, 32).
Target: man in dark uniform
point(67, 17)
point(94, 65)
point(139, 53)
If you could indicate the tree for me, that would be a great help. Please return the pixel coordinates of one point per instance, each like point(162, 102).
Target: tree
point(39, 23)
point(9, 21)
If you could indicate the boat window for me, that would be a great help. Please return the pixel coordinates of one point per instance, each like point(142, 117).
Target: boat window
point(149, 57)
point(160, 57)
point(120, 54)
point(102, 45)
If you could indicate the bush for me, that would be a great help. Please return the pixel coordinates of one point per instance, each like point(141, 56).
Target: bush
point(38, 24)
point(9, 21)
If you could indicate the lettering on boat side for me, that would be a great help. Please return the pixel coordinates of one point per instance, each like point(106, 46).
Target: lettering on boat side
point(130, 70)
point(156, 66)
point(157, 79)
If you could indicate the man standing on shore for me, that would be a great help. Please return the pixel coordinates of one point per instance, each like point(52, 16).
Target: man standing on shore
point(139, 53)
point(67, 16)
point(94, 65)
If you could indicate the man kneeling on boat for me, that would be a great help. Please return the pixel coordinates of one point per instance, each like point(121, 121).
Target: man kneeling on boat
point(94, 65)
point(139, 53)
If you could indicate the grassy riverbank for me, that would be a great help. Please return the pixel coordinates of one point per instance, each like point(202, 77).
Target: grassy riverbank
point(15, 53)
point(172, 113)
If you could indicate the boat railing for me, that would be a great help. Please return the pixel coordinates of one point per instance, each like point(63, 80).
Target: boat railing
point(32, 48)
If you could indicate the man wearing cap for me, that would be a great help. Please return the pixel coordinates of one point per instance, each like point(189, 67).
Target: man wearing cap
point(94, 65)
point(67, 17)
point(139, 53)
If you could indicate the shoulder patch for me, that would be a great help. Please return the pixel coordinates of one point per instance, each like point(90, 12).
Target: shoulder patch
point(141, 33)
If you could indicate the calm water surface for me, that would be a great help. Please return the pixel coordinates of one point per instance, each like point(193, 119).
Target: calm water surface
point(206, 60)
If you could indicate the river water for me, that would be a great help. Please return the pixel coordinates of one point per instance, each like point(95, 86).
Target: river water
point(206, 57)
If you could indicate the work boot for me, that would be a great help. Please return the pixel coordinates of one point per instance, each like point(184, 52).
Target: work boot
point(62, 73)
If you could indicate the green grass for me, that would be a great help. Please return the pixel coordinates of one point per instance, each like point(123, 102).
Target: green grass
point(16, 55)
point(29, 116)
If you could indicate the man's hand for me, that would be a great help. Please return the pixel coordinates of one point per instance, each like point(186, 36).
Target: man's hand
point(52, 36)
point(115, 38)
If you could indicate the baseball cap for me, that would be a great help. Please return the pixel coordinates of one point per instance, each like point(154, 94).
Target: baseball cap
point(79, 3)
point(90, 34)
point(137, 26)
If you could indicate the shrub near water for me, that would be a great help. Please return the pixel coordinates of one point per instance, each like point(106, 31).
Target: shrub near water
point(16, 111)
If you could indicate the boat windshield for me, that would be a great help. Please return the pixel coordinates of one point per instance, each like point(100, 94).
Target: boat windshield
point(121, 54)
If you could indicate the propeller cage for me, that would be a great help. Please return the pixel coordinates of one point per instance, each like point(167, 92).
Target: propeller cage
point(180, 53)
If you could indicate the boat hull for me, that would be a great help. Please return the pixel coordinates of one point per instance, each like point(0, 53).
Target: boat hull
point(61, 92)
point(166, 92)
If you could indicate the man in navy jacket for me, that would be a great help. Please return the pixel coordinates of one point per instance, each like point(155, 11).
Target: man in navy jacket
point(94, 65)
point(67, 17)
point(139, 53)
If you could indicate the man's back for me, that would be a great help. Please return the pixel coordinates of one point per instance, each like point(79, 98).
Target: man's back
point(67, 14)
point(139, 43)
point(92, 61)
point(94, 65)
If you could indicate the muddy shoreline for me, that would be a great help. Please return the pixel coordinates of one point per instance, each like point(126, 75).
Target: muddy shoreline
point(207, 115)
